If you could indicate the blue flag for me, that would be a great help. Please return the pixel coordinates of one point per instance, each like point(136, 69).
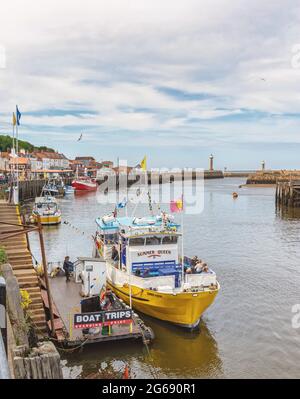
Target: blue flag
point(122, 204)
point(18, 115)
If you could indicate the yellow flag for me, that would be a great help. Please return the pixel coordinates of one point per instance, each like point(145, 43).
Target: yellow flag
point(144, 164)
point(14, 120)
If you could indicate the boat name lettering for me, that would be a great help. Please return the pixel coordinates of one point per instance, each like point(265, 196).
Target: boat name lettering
point(151, 294)
point(155, 253)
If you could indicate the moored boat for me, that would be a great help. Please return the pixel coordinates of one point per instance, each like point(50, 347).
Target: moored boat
point(53, 187)
point(46, 209)
point(84, 184)
point(145, 269)
point(69, 190)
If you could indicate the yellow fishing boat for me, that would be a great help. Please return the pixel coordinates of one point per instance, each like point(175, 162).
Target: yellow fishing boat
point(46, 209)
point(145, 269)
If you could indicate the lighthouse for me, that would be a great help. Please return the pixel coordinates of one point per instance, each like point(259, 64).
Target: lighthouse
point(211, 163)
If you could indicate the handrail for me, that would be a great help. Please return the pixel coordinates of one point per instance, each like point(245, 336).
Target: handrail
point(4, 369)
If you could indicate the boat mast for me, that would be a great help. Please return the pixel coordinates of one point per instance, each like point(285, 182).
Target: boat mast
point(182, 252)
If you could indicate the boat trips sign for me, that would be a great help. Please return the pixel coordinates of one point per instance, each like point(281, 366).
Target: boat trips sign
point(97, 319)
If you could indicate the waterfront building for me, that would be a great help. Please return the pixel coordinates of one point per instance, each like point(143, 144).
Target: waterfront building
point(52, 160)
point(107, 164)
point(22, 165)
point(4, 162)
point(85, 160)
point(48, 164)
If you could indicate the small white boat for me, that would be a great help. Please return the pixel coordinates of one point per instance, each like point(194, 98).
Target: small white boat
point(69, 190)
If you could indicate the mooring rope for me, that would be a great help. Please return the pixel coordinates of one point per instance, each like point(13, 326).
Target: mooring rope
point(151, 368)
point(84, 233)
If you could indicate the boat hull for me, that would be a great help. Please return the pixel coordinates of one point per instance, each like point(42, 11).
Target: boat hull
point(48, 220)
point(184, 309)
point(81, 186)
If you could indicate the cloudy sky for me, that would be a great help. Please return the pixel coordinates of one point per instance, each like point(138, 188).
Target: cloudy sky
point(173, 79)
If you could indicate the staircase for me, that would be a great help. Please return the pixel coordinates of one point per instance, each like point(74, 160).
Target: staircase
point(21, 262)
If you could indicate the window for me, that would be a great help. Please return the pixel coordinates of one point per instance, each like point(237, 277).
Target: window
point(169, 240)
point(137, 241)
point(153, 240)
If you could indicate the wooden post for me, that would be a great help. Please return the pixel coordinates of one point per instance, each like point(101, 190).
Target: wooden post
point(71, 326)
point(46, 275)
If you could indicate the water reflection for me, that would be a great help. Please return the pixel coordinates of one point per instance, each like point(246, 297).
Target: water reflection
point(288, 213)
point(177, 352)
point(255, 253)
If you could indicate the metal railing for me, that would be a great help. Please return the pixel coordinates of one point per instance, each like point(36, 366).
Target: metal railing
point(4, 369)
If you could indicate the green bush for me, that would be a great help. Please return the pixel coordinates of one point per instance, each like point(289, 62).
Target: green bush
point(3, 256)
point(6, 142)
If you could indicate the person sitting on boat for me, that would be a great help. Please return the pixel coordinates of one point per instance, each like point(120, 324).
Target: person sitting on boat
point(206, 269)
point(146, 273)
point(68, 267)
point(199, 266)
point(195, 260)
point(114, 254)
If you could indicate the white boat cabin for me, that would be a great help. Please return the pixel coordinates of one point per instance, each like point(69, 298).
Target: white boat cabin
point(45, 205)
point(143, 247)
point(147, 250)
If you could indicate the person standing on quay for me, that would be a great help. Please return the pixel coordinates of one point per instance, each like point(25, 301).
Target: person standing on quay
point(68, 267)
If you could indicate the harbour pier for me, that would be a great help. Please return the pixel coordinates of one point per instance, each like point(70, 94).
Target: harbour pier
point(156, 177)
point(29, 189)
point(288, 194)
point(67, 302)
point(271, 177)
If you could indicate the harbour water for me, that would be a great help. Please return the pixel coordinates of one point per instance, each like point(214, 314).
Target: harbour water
point(247, 332)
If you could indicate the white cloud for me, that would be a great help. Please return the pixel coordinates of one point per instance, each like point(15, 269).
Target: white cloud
point(111, 58)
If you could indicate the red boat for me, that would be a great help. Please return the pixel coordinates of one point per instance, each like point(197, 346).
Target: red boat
point(84, 184)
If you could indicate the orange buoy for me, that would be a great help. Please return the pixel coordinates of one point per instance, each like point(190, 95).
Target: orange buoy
point(126, 373)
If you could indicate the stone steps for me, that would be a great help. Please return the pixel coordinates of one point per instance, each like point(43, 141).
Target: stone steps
point(21, 262)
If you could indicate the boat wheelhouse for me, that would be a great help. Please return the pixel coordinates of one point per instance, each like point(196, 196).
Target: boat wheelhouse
point(54, 187)
point(145, 268)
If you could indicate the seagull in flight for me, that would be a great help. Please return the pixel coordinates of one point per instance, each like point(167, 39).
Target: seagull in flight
point(80, 137)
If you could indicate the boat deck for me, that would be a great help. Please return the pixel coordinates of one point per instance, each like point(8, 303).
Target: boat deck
point(66, 298)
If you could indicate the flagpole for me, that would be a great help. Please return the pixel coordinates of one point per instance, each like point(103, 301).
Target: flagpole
point(17, 153)
point(182, 254)
point(13, 153)
point(13, 124)
point(182, 249)
point(118, 181)
point(12, 166)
